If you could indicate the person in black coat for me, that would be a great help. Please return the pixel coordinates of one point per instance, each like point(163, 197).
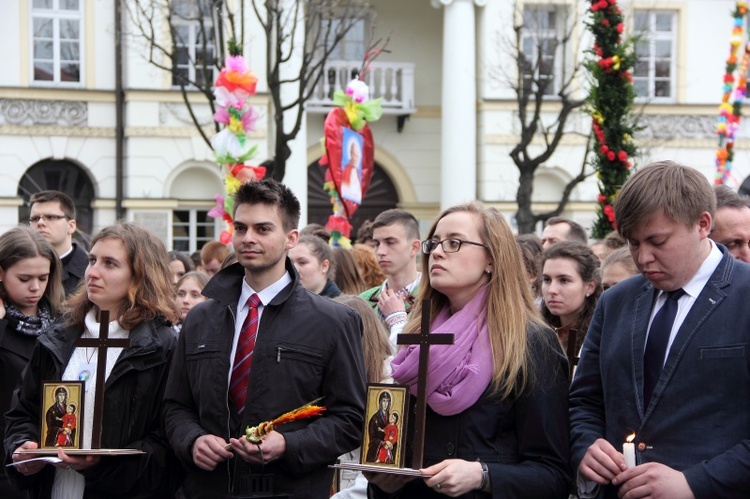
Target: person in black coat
point(497, 415)
point(128, 276)
point(53, 215)
point(31, 297)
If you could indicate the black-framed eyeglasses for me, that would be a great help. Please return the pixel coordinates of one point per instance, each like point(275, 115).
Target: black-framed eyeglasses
point(449, 245)
point(48, 218)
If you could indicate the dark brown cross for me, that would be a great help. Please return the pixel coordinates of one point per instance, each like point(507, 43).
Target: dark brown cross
point(102, 343)
point(572, 352)
point(424, 339)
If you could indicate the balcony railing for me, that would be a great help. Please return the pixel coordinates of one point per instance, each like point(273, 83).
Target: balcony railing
point(392, 81)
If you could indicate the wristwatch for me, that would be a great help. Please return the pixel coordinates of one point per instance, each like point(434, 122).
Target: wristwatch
point(485, 476)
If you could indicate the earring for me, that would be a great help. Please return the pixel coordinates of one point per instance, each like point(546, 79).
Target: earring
point(588, 294)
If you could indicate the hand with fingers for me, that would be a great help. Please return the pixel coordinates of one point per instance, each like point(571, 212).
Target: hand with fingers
point(19, 456)
point(209, 451)
point(76, 463)
point(454, 477)
point(601, 463)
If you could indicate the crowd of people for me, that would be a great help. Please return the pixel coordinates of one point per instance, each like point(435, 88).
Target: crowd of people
point(562, 350)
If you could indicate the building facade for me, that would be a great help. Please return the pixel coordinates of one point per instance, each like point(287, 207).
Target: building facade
point(450, 121)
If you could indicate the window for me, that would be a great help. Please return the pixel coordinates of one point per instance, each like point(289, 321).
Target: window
point(352, 46)
point(192, 228)
point(56, 40)
point(541, 42)
point(194, 57)
point(654, 73)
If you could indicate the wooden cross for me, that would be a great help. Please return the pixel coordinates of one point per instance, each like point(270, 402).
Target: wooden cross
point(102, 343)
point(424, 339)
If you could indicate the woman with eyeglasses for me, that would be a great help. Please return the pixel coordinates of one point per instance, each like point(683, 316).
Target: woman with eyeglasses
point(497, 415)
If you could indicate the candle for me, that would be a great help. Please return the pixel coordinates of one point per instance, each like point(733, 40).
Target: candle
point(628, 449)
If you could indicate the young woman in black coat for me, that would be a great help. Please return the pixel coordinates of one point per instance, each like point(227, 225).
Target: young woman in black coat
point(31, 297)
point(127, 275)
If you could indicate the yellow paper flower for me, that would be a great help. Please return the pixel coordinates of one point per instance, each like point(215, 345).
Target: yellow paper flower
point(616, 62)
point(235, 126)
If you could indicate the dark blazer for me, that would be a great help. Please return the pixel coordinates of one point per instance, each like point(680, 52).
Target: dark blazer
point(698, 421)
point(74, 266)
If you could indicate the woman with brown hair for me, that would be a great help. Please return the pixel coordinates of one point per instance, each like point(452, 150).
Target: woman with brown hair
point(31, 298)
point(128, 276)
point(368, 265)
point(348, 277)
point(497, 415)
point(571, 286)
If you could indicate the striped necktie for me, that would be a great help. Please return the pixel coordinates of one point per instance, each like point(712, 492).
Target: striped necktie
point(243, 357)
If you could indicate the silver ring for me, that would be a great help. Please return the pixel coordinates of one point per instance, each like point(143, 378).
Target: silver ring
point(437, 486)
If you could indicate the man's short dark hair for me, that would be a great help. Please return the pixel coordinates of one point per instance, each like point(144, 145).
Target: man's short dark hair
point(66, 204)
point(269, 191)
point(395, 216)
point(576, 233)
point(726, 197)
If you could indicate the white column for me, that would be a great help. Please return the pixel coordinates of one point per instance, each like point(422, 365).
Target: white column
point(296, 166)
point(458, 175)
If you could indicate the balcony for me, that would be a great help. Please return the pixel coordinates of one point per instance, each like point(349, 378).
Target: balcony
point(392, 81)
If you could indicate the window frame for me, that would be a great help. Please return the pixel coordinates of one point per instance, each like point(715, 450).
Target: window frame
point(194, 241)
point(651, 37)
point(536, 35)
point(194, 27)
point(56, 15)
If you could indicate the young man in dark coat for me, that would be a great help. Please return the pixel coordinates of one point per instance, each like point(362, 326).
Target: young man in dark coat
point(305, 347)
point(53, 215)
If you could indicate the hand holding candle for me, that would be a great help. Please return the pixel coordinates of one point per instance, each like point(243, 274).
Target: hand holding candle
point(628, 450)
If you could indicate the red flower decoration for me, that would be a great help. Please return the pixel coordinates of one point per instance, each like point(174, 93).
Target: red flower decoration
point(602, 199)
point(622, 156)
point(611, 155)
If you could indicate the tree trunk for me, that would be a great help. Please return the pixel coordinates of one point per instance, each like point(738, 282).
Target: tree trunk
point(525, 218)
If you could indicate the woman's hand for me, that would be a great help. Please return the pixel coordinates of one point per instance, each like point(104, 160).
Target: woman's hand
point(454, 477)
point(74, 462)
point(19, 456)
point(387, 482)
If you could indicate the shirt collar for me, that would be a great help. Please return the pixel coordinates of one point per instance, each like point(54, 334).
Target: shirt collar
point(266, 295)
point(695, 285)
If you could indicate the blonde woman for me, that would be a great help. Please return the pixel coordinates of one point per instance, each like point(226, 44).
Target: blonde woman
point(497, 417)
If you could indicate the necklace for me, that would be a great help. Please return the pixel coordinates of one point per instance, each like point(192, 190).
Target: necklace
point(88, 368)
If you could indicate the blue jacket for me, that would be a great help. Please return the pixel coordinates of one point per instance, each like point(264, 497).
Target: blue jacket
point(698, 421)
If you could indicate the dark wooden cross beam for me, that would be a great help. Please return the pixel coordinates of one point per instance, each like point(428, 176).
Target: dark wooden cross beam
point(424, 339)
point(102, 343)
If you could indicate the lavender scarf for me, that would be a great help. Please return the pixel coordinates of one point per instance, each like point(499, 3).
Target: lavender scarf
point(458, 374)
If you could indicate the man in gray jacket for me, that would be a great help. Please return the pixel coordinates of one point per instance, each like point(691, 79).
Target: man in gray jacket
point(260, 346)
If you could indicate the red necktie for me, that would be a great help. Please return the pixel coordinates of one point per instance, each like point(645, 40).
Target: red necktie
point(243, 357)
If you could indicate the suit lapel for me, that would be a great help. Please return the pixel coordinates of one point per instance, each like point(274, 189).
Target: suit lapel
point(707, 301)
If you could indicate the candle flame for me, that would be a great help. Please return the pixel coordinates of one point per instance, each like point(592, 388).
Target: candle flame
point(630, 438)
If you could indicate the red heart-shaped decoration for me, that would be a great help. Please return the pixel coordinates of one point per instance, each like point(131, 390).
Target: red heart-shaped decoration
point(351, 156)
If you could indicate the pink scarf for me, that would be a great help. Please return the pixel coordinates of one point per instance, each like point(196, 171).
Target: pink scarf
point(458, 374)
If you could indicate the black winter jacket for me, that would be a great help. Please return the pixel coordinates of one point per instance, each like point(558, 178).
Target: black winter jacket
point(307, 347)
point(132, 410)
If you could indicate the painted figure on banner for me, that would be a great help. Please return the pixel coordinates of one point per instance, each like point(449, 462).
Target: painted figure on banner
point(351, 165)
point(55, 415)
point(377, 425)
